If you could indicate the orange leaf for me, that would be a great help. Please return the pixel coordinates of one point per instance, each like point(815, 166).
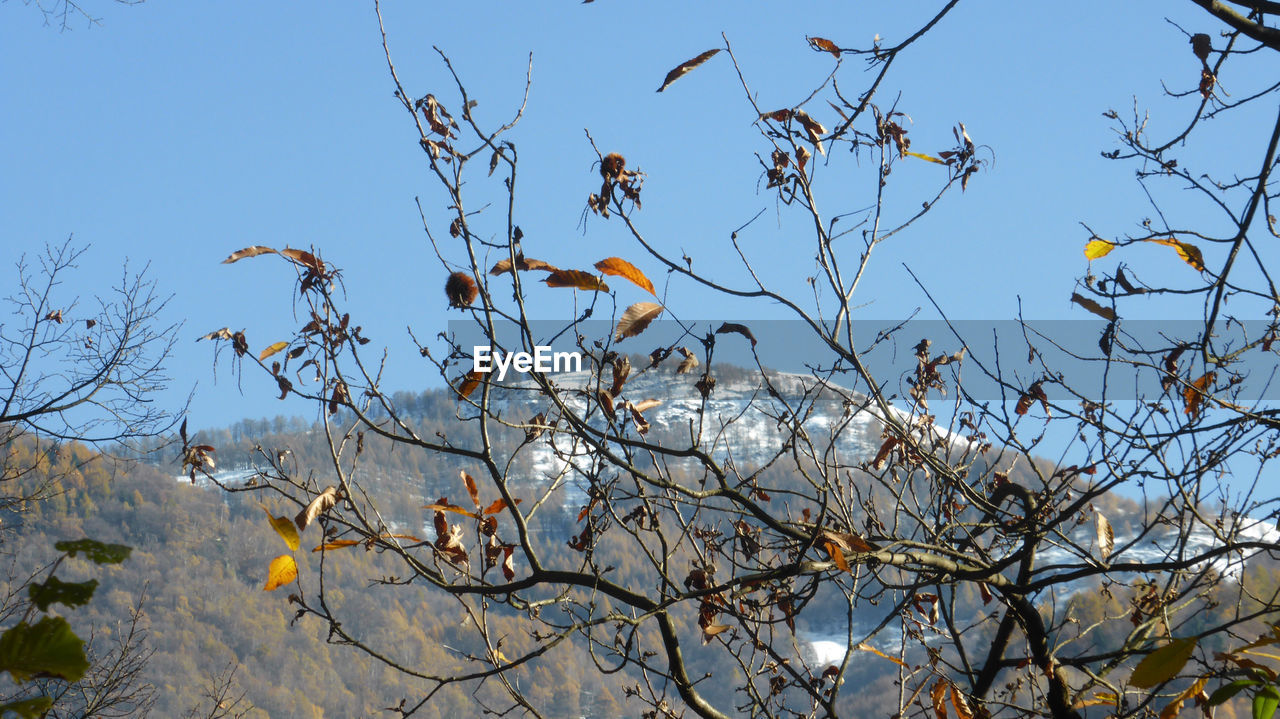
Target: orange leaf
point(837, 556)
point(498, 505)
point(471, 488)
point(684, 67)
point(621, 268)
point(470, 381)
point(938, 695)
point(1193, 396)
point(248, 252)
point(576, 279)
point(442, 507)
point(1189, 253)
point(821, 44)
point(283, 570)
point(636, 318)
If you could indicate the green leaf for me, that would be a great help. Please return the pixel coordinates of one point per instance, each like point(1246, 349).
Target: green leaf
point(33, 708)
point(71, 594)
point(1226, 691)
point(1162, 664)
point(46, 649)
point(1265, 702)
point(95, 551)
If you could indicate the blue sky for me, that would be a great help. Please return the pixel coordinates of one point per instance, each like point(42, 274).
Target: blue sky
point(172, 134)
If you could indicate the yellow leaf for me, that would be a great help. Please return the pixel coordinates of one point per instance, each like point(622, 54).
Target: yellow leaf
point(1172, 709)
point(272, 350)
point(1163, 664)
point(1189, 253)
point(1096, 249)
point(283, 570)
point(930, 158)
point(284, 527)
point(868, 648)
point(1098, 699)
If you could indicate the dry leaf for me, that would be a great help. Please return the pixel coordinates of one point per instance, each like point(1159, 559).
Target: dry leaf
point(470, 381)
point(472, 490)
point(1106, 537)
point(523, 264)
point(321, 504)
point(821, 44)
point(621, 268)
point(636, 319)
point(684, 67)
point(738, 329)
point(576, 279)
point(1193, 396)
point(272, 349)
point(1189, 253)
point(1105, 313)
point(248, 252)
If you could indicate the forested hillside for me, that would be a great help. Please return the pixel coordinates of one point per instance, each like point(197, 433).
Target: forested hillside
point(200, 561)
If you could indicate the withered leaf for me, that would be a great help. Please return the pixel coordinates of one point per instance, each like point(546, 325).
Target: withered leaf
point(690, 362)
point(1106, 536)
point(645, 405)
point(222, 334)
point(813, 128)
point(821, 44)
point(705, 385)
point(1105, 313)
point(1189, 253)
point(738, 329)
point(621, 268)
point(606, 403)
point(248, 252)
point(498, 505)
point(1193, 396)
point(636, 319)
point(621, 371)
point(469, 382)
point(684, 67)
point(472, 490)
point(1033, 394)
point(1201, 45)
point(577, 279)
point(522, 263)
point(321, 504)
point(304, 258)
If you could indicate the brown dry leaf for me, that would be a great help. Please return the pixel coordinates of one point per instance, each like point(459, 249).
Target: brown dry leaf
point(283, 570)
point(1193, 396)
point(498, 506)
point(868, 648)
point(813, 128)
point(470, 381)
point(711, 630)
point(304, 258)
point(645, 405)
point(1172, 709)
point(222, 334)
point(848, 541)
point(837, 556)
point(642, 424)
point(636, 319)
point(821, 44)
point(938, 697)
point(1105, 313)
point(621, 268)
point(248, 252)
point(621, 371)
point(689, 364)
point(1201, 45)
point(684, 67)
point(321, 504)
point(1189, 253)
point(577, 279)
point(736, 328)
point(461, 289)
point(705, 385)
point(612, 166)
point(882, 457)
point(472, 490)
point(442, 505)
point(606, 403)
point(524, 264)
point(1106, 537)
point(960, 704)
point(272, 349)
point(776, 115)
point(1035, 393)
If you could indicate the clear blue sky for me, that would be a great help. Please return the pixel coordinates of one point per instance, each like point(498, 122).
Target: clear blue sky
point(175, 133)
